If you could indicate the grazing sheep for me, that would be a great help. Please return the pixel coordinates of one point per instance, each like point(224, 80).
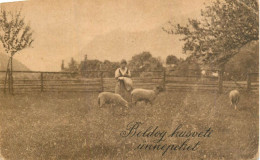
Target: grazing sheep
point(146, 95)
point(234, 98)
point(111, 98)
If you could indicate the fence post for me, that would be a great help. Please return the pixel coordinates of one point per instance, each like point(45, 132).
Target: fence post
point(41, 82)
point(220, 81)
point(164, 79)
point(101, 81)
point(248, 81)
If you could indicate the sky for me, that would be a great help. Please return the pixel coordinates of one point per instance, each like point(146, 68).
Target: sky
point(62, 28)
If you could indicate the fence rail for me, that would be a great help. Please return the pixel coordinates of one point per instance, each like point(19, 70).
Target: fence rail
point(32, 81)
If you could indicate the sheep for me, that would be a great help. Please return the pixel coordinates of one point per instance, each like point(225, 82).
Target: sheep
point(234, 98)
point(111, 98)
point(146, 95)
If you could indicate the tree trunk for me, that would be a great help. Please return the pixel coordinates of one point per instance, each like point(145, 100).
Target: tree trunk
point(9, 80)
point(220, 78)
point(11, 75)
point(7, 75)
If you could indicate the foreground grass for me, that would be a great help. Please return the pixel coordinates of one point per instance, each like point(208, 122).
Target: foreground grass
point(72, 126)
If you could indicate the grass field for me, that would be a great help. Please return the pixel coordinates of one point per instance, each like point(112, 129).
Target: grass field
point(72, 126)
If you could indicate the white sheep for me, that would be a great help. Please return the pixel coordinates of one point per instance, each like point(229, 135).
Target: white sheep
point(111, 98)
point(146, 95)
point(234, 98)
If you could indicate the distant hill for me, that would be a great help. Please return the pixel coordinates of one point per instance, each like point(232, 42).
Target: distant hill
point(120, 44)
point(18, 66)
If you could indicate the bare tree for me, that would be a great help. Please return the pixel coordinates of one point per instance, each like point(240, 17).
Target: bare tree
point(15, 35)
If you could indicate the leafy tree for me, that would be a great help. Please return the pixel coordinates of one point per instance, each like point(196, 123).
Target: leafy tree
point(110, 68)
point(87, 66)
point(188, 67)
point(171, 59)
point(83, 65)
point(15, 35)
point(243, 62)
point(145, 62)
point(62, 65)
point(224, 27)
point(73, 66)
point(139, 61)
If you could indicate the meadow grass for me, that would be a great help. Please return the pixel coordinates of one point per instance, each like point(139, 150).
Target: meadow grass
point(72, 126)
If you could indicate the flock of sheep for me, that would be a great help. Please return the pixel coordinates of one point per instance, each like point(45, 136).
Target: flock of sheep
point(138, 94)
point(148, 96)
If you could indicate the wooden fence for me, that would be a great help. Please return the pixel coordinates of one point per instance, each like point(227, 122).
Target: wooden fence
point(32, 81)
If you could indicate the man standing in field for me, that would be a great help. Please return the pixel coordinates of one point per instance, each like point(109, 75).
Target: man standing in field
point(124, 83)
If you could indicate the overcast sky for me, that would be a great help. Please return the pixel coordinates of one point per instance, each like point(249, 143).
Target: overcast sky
point(62, 28)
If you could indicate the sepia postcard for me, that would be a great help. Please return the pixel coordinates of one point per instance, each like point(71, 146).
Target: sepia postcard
point(129, 80)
